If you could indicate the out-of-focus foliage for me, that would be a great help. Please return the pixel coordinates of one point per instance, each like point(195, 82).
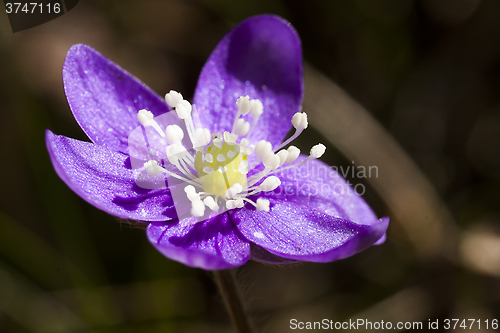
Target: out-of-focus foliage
point(427, 75)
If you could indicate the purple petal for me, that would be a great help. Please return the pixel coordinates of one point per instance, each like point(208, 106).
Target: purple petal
point(104, 98)
point(212, 245)
point(318, 186)
point(297, 232)
point(261, 58)
point(105, 179)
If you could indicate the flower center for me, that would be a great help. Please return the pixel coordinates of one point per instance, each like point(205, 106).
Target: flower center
point(215, 171)
point(221, 167)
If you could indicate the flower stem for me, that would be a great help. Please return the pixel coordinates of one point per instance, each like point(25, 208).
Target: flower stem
point(229, 291)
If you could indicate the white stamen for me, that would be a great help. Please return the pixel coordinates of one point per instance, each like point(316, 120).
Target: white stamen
point(299, 121)
point(193, 196)
point(243, 104)
point(201, 137)
point(174, 134)
point(293, 153)
point(239, 203)
point(189, 189)
point(318, 150)
point(152, 168)
point(230, 137)
point(256, 108)
point(175, 152)
point(271, 161)
point(283, 155)
point(262, 148)
point(197, 208)
point(183, 109)
point(146, 118)
point(244, 142)
point(210, 203)
point(242, 127)
point(209, 158)
point(262, 204)
point(270, 184)
point(173, 98)
point(221, 158)
point(233, 191)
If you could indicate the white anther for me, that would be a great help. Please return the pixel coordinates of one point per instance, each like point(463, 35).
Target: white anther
point(233, 191)
point(152, 168)
point(175, 152)
point(262, 148)
point(244, 142)
point(270, 184)
point(243, 104)
point(242, 127)
point(239, 203)
point(173, 98)
point(193, 196)
point(230, 204)
point(183, 109)
point(197, 208)
point(174, 134)
point(243, 167)
point(293, 153)
point(209, 158)
point(299, 121)
point(230, 137)
point(271, 160)
point(283, 155)
point(208, 169)
point(247, 150)
point(201, 137)
point(262, 204)
point(318, 150)
point(189, 189)
point(210, 203)
point(221, 158)
point(222, 169)
point(145, 117)
point(256, 108)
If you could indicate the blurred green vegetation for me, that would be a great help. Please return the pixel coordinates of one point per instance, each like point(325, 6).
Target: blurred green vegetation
point(427, 70)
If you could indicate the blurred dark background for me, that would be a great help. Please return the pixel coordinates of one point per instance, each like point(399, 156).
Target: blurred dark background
point(412, 87)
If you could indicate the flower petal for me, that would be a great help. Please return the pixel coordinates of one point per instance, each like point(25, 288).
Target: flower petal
point(104, 98)
point(318, 186)
point(105, 179)
point(212, 245)
point(298, 232)
point(261, 58)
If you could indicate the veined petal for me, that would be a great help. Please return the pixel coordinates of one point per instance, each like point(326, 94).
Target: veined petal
point(104, 98)
point(261, 58)
point(105, 179)
point(298, 232)
point(212, 245)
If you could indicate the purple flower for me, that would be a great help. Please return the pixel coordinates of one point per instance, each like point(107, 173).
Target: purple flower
point(243, 196)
